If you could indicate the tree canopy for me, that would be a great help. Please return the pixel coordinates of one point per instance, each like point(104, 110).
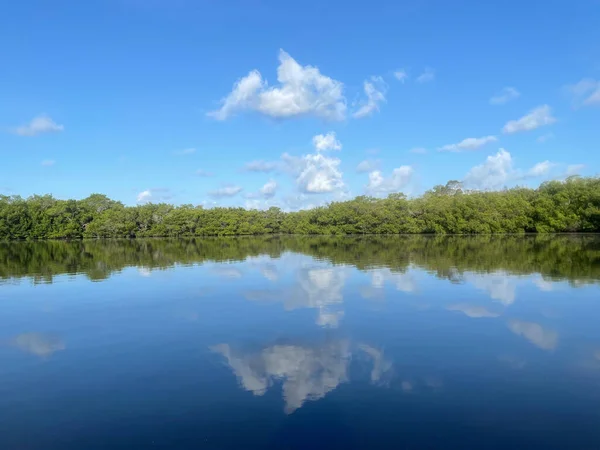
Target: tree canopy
point(572, 205)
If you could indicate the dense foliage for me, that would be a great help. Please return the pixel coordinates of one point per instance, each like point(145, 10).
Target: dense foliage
point(575, 258)
point(569, 206)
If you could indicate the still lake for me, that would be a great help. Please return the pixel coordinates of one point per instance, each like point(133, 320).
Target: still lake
point(301, 343)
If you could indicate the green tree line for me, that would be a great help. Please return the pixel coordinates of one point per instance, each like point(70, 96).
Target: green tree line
point(574, 258)
point(572, 205)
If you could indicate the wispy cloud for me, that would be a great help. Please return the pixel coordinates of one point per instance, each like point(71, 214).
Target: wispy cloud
point(375, 92)
point(418, 150)
point(468, 144)
point(427, 76)
point(367, 165)
point(39, 125)
point(545, 138)
point(261, 166)
point(48, 162)
point(226, 191)
point(504, 96)
point(401, 75)
point(536, 118)
point(586, 92)
point(203, 173)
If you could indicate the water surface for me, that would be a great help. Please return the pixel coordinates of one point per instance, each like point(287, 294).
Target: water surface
point(298, 342)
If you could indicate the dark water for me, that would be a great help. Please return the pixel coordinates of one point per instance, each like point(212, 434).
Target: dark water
point(301, 343)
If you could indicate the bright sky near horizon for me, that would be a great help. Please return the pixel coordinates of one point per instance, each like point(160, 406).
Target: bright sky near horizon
point(262, 103)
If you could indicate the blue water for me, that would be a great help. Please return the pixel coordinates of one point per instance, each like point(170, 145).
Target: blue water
point(298, 350)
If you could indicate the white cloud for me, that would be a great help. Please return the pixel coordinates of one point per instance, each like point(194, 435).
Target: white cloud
point(203, 173)
point(574, 169)
point(399, 179)
point(324, 142)
point(48, 162)
point(504, 96)
point(38, 125)
point(498, 285)
point(302, 91)
point(536, 118)
point(586, 92)
point(403, 281)
point(418, 150)
point(540, 169)
point(226, 191)
point(468, 144)
point(261, 166)
point(401, 75)
point(269, 189)
point(536, 334)
point(306, 373)
point(367, 165)
point(427, 76)
point(186, 151)
point(42, 345)
point(493, 173)
point(375, 92)
point(473, 311)
point(154, 194)
point(144, 196)
point(498, 171)
point(315, 173)
point(542, 284)
point(226, 270)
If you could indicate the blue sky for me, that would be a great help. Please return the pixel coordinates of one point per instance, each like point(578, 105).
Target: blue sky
point(293, 104)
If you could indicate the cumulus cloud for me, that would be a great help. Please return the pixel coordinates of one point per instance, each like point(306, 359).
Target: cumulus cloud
point(324, 142)
point(468, 144)
point(144, 196)
point(401, 75)
point(302, 91)
point(586, 92)
point(38, 344)
point(402, 281)
point(427, 76)
point(315, 173)
point(154, 194)
point(498, 285)
point(536, 118)
point(375, 93)
point(498, 171)
point(269, 189)
point(367, 165)
point(261, 166)
point(504, 96)
point(226, 191)
point(540, 169)
point(39, 125)
point(400, 178)
point(473, 311)
point(539, 336)
point(306, 373)
point(48, 162)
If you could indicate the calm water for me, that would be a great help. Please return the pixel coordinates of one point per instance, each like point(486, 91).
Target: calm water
point(301, 343)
